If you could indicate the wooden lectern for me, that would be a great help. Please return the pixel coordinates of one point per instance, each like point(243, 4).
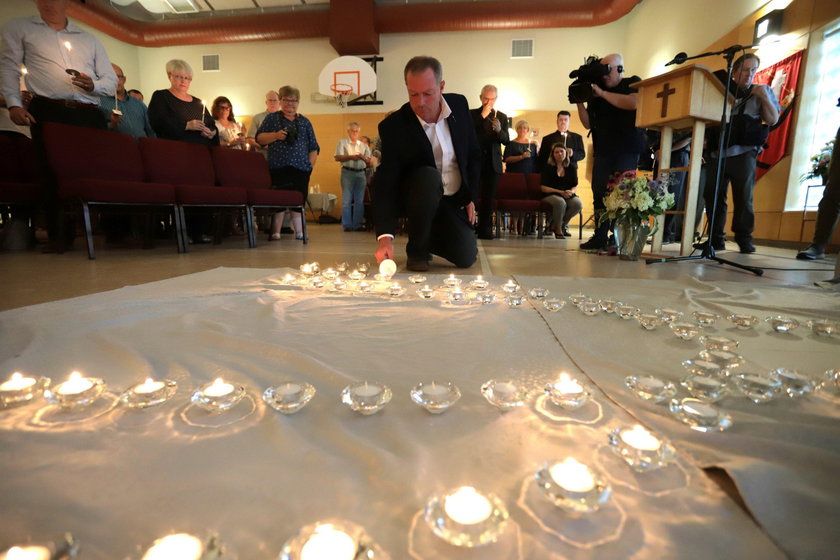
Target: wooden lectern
point(688, 97)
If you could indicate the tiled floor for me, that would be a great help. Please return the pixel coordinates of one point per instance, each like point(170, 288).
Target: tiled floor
point(29, 278)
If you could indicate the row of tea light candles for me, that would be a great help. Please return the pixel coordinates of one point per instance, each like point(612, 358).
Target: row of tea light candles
point(463, 516)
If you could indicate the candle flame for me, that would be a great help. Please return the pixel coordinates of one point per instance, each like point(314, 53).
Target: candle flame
point(23, 70)
point(564, 377)
point(68, 45)
point(149, 381)
point(16, 376)
point(218, 381)
point(75, 375)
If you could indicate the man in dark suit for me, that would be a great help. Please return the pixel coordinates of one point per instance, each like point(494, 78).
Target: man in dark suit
point(491, 128)
point(563, 136)
point(429, 172)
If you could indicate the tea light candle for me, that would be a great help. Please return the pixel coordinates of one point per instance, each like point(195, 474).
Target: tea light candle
point(148, 386)
point(288, 389)
point(74, 385)
point(328, 543)
point(510, 286)
point(365, 286)
point(479, 283)
point(366, 390)
point(467, 506)
point(387, 268)
point(17, 382)
point(426, 292)
point(317, 282)
point(572, 475)
point(288, 278)
point(219, 388)
point(452, 281)
point(395, 289)
point(330, 274)
point(26, 553)
point(504, 388)
point(435, 390)
point(356, 275)
point(339, 284)
point(567, 385)
point(640, 438)
point(306, 269)
point(179, 546)
point(457, 294)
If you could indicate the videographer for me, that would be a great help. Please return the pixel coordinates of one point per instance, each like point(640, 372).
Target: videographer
point(610, 113)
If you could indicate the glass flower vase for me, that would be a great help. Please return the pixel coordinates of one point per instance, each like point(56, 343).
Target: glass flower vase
point(630, 238)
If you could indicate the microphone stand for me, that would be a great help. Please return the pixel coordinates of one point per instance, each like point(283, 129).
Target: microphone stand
point(708, 252)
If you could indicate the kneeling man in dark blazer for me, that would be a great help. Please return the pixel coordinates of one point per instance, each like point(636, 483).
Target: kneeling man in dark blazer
point(429, 172)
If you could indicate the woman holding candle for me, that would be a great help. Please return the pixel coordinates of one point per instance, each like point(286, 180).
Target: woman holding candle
point(292, 152)
point(521, 153)
point(176, 115)
point(231, 133)
point(559, 183)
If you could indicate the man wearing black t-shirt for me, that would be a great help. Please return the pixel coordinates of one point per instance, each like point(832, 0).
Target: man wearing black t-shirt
point(611, 115)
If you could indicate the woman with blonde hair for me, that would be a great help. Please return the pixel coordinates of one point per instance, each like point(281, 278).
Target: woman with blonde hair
point(521, 153)
point(175, 114)
point(559, 183)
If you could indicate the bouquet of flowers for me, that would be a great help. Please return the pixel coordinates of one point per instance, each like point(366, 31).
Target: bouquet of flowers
point(634, 199)
point(819, 163)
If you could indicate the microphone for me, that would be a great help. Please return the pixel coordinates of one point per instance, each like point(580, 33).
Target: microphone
point(678, 59)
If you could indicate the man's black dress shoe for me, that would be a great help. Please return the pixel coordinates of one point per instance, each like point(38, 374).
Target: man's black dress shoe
point(746, 246)
point(417, 265)
point(718, 246)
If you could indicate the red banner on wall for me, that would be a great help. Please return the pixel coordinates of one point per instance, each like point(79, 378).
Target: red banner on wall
point(782, 77)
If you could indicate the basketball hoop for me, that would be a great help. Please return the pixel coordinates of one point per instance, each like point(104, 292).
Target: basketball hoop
point(342, 93)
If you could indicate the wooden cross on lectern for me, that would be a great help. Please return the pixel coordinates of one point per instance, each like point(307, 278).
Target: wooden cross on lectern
point(666, 91)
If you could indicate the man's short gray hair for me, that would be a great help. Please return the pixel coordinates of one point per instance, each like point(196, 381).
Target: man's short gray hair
point(420, 64)
point(489, 87)
point(351, 124)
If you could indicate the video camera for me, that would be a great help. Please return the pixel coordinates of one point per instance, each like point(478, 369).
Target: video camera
point(580, 91)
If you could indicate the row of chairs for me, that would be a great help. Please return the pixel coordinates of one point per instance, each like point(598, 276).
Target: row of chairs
point(520, 192)
point(114, 171)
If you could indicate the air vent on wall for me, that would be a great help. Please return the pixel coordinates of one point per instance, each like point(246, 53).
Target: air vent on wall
point(522, 48)
point(182, 6)
point(210, 62)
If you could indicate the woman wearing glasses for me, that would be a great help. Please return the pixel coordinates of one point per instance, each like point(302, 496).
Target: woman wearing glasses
point(177, 115)
point(231, 133)
point(292, 151)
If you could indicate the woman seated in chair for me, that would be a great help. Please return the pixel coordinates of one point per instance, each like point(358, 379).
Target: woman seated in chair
point(559, 183)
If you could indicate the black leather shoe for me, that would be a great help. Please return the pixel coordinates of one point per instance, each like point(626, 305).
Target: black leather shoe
point(811, 252)
point(746, 247)
point(566, 232)
point(719, 246)
point(594, 244)
point(417, 265)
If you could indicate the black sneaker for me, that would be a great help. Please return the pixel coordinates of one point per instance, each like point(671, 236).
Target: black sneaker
point(811, 252)
point(745, 246)
point(594, 244)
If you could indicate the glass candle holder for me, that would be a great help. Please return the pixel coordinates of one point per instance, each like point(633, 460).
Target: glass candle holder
point(699, 415)
point(435, 396)
point(457, 295)
point(217, 396)
point(342, 267)
point(705, 319)
point(356, 275)
point(782, 323)
point(317, 281)
point(288, 397)
point(610, 305)
point(149, 393)
point(515, 299)
point(395, 290)
point(416, 278)
point(742, 321)
point(830, 381)
point(20, 389)
point(573, 486)
point(332, 539)
point(589, 307)
point(366, 397)
point(451, 281)
point(364, 287)
point(77, 392)
point(27, 552)
point(627, 312)
point(718, 343)
point(486, 298)
point(330, 274)
point(824, 327)
point(466, 517)
point(510, 286)
point(289, 279)
point(339, 285)
point(758, 387)
point(363, 267)
point(575, 299)
point(640, 449)
point(705, 388)
point(183, 546)
point(726, 360)
point(553, 304)
point(307, 269)
point(669, 315)
point(426, 292)
point(795, 384)
point(479, 283)
point(538, 293)
point(650, 388)
point(649, 321)
point(504, 394)
point(684, 331)
point(706, 368)
point(568, 393)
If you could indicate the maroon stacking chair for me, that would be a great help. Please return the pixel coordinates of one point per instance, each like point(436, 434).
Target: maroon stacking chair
point(189, 168)
point(19, 182)
point(534, 180)
point(512, 196)
point(249, 170)
point(103, 168)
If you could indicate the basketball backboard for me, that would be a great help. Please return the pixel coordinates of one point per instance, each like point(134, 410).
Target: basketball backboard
point(348, 75)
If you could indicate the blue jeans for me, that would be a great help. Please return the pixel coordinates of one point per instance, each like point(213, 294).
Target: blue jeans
point(353, 198)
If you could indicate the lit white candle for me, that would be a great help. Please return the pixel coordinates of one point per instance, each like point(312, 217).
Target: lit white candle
point(306, 268)
point(148, 386)
point(572, 475)
point(26, 553)
point(366, 390)
point(567, 385)
point(74, 385)
point(467, 506)
point(435, 390)
point(203, 110)
point(219, 388)
point(329, 544)
point(641, 439)
point(23, 73)
point(17, 382)
point(287, 389)
point(180, 546)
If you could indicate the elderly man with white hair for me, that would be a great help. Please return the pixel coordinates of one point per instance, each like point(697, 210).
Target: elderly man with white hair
point(354, 157)
point(611, 116)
